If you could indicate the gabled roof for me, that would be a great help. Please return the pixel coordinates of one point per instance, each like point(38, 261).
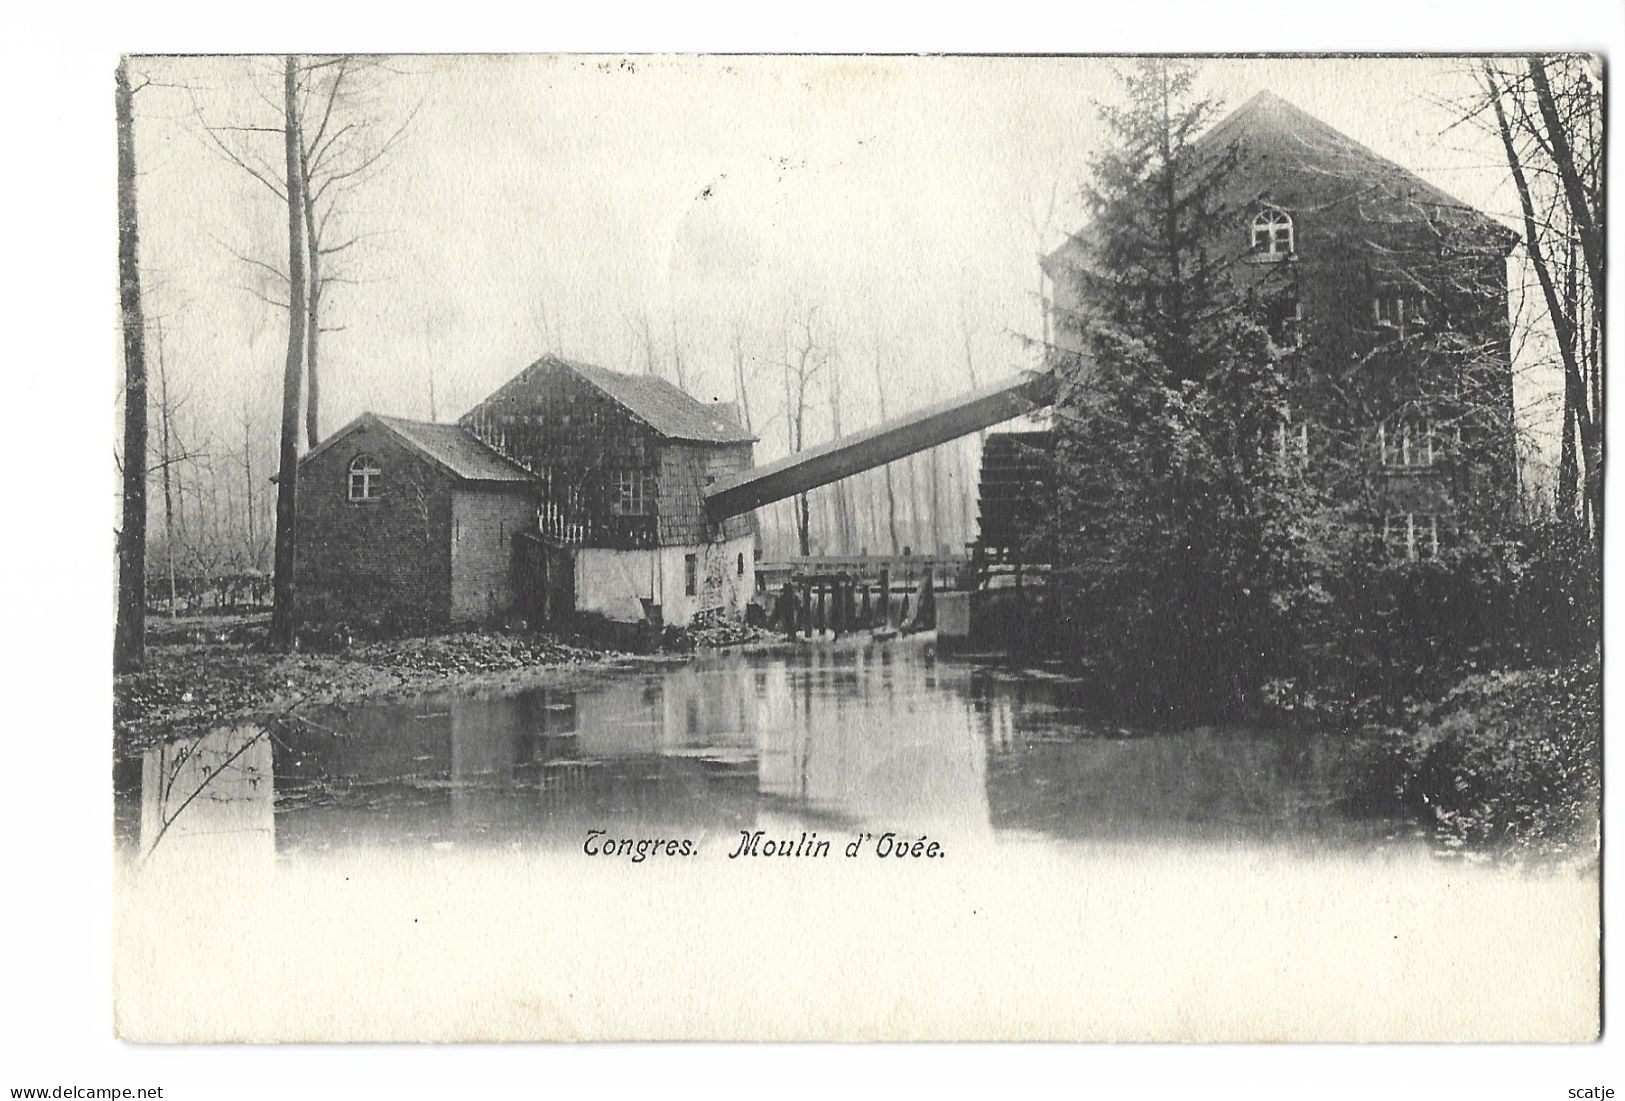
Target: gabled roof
point(452, 447)
point(1270, 125)
point(654, 401)
point(1281, 143)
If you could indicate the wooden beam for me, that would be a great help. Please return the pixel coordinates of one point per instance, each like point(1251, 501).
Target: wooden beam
point(884, 443)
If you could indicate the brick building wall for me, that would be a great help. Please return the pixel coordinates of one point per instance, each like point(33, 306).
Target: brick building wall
point(483, 522)
point(1365, 231)
point(390, 556)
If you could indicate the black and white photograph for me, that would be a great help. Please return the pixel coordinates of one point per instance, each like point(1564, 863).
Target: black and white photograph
point(1086, 548)
point(550, 503)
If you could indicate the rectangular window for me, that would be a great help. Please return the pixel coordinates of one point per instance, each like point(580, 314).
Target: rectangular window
point(1425, 535)
point(691, 574)
point(1413, 536)
point(1401, 312)
point(1292, 444)
point(1285, 322)
point(634, 493)
point(1396, 534)
point(1407, 444)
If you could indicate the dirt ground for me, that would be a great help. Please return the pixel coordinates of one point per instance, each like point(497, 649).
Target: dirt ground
point(206, 670)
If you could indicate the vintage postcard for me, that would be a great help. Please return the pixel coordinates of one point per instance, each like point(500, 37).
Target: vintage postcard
point(784, 547)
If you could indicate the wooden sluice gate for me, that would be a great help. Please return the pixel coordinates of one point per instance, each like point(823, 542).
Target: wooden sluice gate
point(812, 604)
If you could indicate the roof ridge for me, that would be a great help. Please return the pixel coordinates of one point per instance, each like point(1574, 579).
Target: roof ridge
point(1268, 97)
point(652, 400)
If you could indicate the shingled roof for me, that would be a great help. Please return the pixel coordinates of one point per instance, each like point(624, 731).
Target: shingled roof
point(1280, 145)
point(449, 446)
point(654, 401)
point(1278, 136)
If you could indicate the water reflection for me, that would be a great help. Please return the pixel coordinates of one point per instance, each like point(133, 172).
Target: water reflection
point(207, 799)
point(876, 737)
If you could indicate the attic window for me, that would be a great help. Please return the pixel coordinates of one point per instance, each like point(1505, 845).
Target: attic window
point(1272, 234)
point(364, 476)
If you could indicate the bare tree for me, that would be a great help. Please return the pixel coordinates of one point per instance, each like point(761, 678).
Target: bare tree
point(342, 140)
point(1042, 227)
point(741, 386)
point(679, 369)
point(129, 639)
point(643, 335)
point(803, 362)
point(167, 458)
point(1549, 138)
point(840, 490)
point(253, 531)
point(284, 616)
point(891, 488)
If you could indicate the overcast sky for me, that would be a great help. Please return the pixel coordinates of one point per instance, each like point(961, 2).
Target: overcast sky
point(540, 202)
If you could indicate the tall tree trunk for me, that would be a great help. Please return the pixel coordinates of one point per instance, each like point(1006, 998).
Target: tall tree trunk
point(936, 500)
point(677, 365)
point(166, 458)
point(891, 487)
point(840, 489)
point(916, 529)
point(1568, 470)
point(313, 301)
point(741, 391)
point(129, 636)
point(284, 617)
point(248, 484)
point(1562, 322)
point(1562, 151)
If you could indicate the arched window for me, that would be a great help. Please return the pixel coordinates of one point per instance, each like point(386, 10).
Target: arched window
point(364, 476)
point(1272, 233)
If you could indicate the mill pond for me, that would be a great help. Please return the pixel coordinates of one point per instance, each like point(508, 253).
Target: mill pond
point(832, 741)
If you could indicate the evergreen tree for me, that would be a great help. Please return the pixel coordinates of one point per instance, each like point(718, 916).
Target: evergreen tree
point(1190, 546)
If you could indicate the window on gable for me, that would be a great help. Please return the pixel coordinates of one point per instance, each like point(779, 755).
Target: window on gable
point(634, 493)
point(1272, 234)
point(365, 477)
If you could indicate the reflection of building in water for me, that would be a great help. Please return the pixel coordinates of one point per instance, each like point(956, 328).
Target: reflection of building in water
point(864, 736)
point(671, 747)
point(208, 798)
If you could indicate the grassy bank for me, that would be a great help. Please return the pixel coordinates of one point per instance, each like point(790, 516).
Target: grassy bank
point(1504, 761)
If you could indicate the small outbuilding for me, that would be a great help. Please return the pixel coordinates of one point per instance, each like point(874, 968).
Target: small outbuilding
point(409, 522)
point(571, 491)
